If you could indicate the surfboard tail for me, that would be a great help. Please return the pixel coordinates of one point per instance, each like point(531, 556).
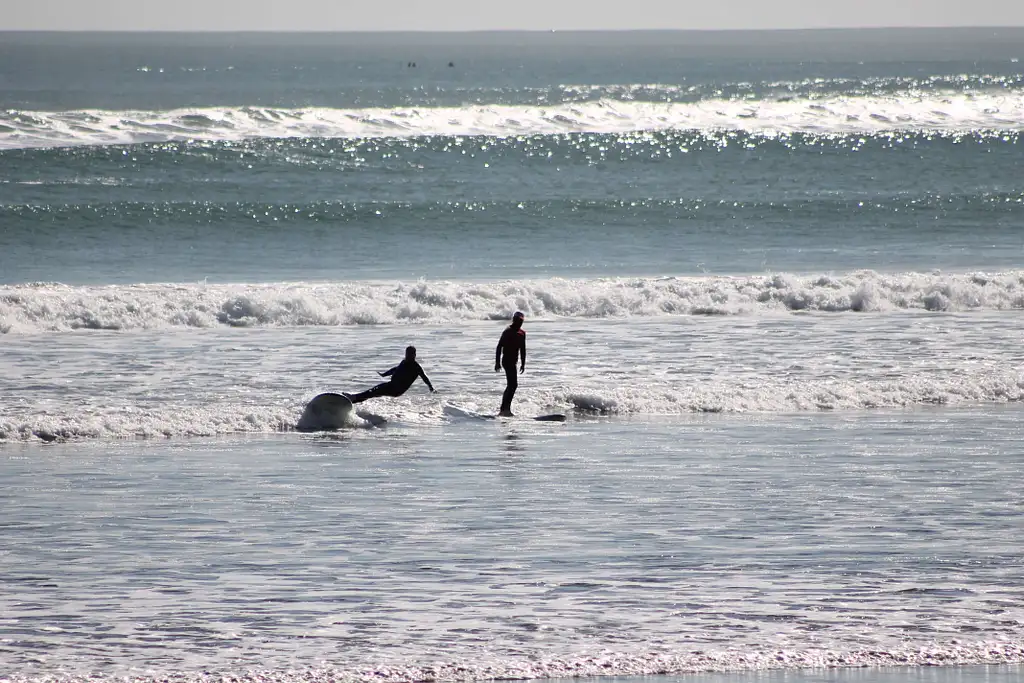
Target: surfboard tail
point(325, 412)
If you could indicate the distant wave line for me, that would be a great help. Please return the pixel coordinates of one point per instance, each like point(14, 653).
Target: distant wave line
point(824, 115)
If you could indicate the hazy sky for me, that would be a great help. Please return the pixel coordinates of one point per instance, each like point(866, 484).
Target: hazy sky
point(460, 15)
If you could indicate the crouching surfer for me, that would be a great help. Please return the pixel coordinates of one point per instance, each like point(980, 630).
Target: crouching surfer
point(402, 376)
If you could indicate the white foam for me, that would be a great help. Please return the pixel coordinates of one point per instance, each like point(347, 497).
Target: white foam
point(605, 663)
point(636, 395)
point(953, 111)
point(115, 422)
point(768, 394)
point(49, 307)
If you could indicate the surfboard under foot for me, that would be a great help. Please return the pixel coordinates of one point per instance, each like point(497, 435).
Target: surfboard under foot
point(456, 411)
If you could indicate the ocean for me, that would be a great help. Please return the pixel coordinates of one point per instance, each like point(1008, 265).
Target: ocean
point(775, 281)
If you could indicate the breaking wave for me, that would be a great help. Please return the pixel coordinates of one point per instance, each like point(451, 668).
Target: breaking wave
point(732, 395)
point(824, 114)
point(54, 307)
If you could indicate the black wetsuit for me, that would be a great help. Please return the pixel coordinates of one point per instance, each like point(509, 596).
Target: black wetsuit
point(402, 377)
point(511, 345)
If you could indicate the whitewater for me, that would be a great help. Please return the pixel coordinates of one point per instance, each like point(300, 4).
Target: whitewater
point(256, 380)
point(999, 110)
point(53, 307)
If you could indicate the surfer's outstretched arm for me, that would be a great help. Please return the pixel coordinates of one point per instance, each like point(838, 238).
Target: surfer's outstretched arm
point(388, 373)
point(426, 379)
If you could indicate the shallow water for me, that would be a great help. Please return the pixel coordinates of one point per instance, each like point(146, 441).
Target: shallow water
point(505, 544)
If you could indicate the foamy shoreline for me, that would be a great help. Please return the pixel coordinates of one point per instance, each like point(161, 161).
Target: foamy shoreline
point(731, 661)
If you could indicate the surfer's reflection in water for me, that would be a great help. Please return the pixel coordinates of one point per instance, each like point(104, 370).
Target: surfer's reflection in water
point(402, 376)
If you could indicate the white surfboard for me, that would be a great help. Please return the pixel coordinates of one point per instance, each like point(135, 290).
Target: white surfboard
point(333, 411)
point(465, 413)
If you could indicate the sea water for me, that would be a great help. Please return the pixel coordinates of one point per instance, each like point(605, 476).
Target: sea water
point(773, 279)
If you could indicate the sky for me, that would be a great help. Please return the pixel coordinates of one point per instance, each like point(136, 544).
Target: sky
point(468, 15)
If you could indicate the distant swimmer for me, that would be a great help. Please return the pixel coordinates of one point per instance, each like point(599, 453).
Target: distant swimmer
point(402, 376)
point(511, 346)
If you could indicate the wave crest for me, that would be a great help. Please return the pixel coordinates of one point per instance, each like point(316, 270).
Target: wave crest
point(824, 114)
point(41, 307)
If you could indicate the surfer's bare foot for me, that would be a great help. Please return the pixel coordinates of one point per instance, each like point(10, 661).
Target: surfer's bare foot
point(506, 413)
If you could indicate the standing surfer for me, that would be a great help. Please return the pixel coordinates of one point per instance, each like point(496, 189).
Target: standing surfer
point(511, 345)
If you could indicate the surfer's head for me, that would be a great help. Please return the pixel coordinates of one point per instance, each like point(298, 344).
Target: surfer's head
point(517, 319)
point(410, 353)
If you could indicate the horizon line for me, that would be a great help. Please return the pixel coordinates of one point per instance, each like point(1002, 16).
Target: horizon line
point(937, 27)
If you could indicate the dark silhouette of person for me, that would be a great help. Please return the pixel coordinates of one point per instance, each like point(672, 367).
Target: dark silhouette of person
point(402, 376)
point(511, 345)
